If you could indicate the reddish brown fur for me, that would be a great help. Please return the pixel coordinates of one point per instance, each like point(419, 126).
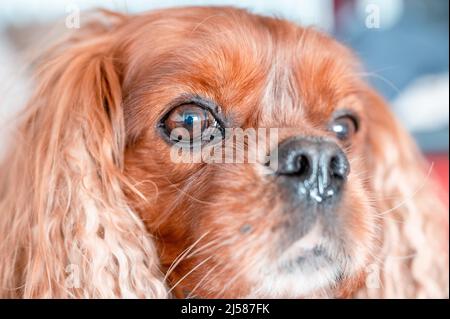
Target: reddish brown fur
point(263, 72)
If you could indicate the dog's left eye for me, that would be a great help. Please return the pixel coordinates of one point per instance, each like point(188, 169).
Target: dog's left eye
point(344, 127)
point(188, 123)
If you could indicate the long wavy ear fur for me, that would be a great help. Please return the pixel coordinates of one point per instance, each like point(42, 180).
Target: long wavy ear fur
point(413, 219)
point(65, 227)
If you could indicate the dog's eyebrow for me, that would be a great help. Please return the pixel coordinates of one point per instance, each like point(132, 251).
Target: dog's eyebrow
point(203, 101)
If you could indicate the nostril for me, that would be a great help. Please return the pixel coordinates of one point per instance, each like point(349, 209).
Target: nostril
point(334, 165)
point(338, 166)
point(303, 165)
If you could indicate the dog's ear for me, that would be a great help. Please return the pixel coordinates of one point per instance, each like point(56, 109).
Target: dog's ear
point(414, 220)
point(66, 229)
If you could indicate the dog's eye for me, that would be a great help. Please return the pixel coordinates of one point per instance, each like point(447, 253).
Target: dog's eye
point(188, 123)
point(344, 127)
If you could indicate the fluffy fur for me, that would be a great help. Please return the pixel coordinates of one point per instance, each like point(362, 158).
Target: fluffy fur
point(91, 207)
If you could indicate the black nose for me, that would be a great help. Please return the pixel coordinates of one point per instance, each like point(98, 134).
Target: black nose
point(317, 168)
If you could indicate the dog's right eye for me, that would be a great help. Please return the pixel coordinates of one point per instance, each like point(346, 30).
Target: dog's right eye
point(188, 123)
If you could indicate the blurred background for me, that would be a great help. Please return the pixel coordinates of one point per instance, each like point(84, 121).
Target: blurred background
point(403, 44)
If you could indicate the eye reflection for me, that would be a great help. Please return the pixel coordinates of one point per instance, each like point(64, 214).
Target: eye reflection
point(344, 127)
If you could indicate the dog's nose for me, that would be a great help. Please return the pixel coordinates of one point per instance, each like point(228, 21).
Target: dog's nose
point(318, 168)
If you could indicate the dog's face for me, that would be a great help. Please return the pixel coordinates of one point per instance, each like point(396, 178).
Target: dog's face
point(247, 148)
point(299, 227)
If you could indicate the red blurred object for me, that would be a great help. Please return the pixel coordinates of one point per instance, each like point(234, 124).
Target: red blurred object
point(441, 170)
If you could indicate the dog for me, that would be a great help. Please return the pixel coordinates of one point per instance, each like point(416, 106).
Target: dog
point(94, 204)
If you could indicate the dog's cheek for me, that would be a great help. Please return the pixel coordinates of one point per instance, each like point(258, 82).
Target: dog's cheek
point(229, 234)
point(360, 224)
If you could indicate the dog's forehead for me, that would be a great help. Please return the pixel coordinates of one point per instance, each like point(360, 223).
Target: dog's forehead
point(282, 75)
point(252, 66)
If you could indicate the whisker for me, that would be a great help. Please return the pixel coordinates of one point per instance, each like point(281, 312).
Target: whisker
point(182, 255)
point(406, 200)
point(188, 273)
point(209, 272)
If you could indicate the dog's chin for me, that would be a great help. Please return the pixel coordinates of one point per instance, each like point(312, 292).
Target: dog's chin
point(309, 267)
point(301, 272)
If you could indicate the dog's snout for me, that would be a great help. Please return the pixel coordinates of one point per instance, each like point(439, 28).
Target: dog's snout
point(315, 166)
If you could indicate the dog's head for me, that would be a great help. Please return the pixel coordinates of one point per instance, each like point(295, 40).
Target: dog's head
point(288, 159)
point(287, 224)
